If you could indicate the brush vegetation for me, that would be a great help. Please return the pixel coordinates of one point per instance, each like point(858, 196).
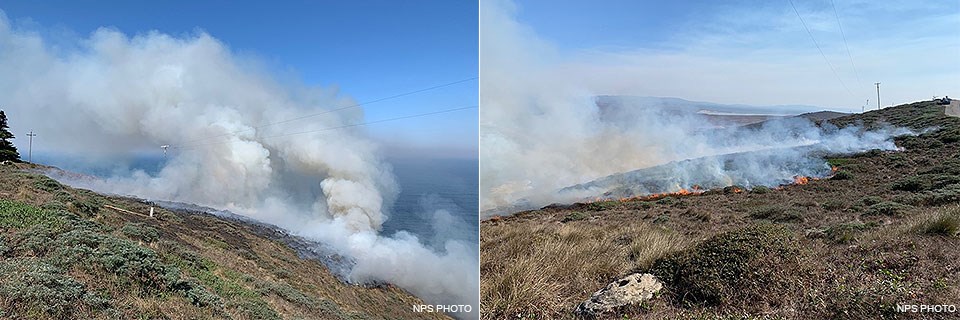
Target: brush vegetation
point(882, 231)
point(65, 255)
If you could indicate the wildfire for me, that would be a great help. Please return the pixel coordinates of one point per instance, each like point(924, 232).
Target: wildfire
point(801, 179)
point(695, 190)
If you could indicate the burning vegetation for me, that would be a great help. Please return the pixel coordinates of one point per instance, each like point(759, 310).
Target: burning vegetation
point(875, 229)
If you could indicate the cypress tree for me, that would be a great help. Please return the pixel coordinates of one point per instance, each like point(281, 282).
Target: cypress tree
point(7, 150)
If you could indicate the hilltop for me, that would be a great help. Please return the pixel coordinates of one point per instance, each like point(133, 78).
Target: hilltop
point(72, 253)
point(882, 231)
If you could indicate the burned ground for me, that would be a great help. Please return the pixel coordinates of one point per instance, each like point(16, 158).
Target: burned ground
point(883, 231)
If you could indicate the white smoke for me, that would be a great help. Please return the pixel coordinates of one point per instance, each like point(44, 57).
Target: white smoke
point(541, 129)
point(115, 96)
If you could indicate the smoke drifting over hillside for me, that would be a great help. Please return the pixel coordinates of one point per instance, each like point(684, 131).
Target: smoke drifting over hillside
point(542, 131)
point(114, 96)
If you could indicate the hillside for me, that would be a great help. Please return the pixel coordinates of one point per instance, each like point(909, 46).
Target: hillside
point(882, 231)
point(69, 253)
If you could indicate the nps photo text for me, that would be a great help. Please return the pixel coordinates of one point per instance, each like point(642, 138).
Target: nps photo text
point(924, 308)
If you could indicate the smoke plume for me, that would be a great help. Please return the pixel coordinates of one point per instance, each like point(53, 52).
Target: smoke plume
point(542, 131)
point(110, 97)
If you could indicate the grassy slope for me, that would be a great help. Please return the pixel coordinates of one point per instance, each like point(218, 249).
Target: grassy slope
point(63, 254)
point(884, 232)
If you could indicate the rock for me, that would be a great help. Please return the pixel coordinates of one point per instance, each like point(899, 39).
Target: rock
point(632, 289)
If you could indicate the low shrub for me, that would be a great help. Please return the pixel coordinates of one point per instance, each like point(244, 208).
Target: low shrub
point(846, 232)
point(760, 190)
point(575, 216)
point(833, 205)
point(140, 232)
point(776, 213)
point(730, 267)
point(871, 200)
point(911, 183)
point(887, 208)
point(32, 288)
point(842, 175)
point(602, 205)
point(46, 184)
point(20, 215)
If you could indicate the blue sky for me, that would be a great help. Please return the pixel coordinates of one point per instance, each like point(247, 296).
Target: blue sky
point(754, 52)
point(369, 49)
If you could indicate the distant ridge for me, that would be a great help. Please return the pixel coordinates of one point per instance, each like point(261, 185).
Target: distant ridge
point(606, 101)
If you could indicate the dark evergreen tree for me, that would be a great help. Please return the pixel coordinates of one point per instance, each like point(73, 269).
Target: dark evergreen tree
point(7, 150)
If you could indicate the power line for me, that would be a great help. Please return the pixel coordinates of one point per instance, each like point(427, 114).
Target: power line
point(818, 48)
point(335, 110)
point(860, 83)
point(185, 147)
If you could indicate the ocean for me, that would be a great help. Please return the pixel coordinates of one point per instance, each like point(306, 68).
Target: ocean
point(426, 186)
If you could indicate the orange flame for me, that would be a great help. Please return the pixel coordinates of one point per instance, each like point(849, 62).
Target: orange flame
point(695, 190)
point(800, 180)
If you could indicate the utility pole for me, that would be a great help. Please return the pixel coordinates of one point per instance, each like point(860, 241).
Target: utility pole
point(863, 108)
point(30, 152)
point(878, 94)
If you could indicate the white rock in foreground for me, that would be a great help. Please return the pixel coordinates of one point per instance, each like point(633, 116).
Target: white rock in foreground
point(632, 289)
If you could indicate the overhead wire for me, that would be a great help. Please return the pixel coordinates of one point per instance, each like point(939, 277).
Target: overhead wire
point(195, 146)
point(408, 93)
point(844, 36)
point(834, 70)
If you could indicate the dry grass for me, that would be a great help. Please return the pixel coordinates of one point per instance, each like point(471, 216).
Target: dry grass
point(546, 270)
point(944, 222)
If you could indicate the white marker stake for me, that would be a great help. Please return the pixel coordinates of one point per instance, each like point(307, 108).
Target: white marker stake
point(151, 212)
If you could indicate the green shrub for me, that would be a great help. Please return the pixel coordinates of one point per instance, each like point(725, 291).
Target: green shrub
point(20, 215)
point(575, 216)
point(140, 232)
point(31, 288)
point(666, 201)
point(887, 208)
point(949, 136)
point(951, 166)
point(911, 183)
point(776, 213)
point(46, 184)
point(939, 181)
point(63, 196)
point(871, 200)
point(54, 205)
point(87, 207)
point(602, 205)
point(760, 190)
point(836, 162)
point(729, 267)
point(842, 175)
point(833, 205)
